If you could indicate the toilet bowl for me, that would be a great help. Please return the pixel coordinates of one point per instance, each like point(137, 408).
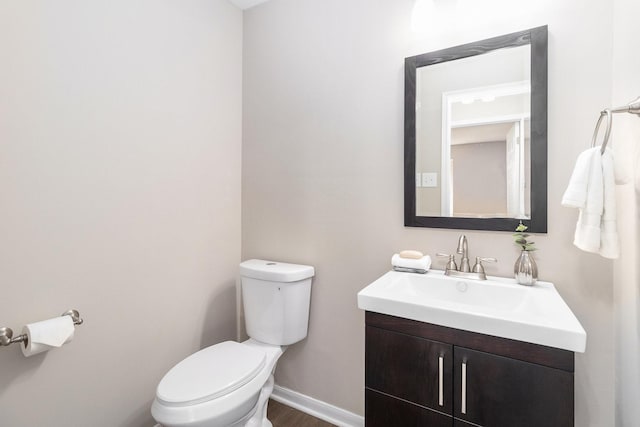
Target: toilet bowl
point(217, 386)
point(229, 384)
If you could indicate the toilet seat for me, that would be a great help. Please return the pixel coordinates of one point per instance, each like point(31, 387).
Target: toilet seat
point(210, 373)
point(221, 405)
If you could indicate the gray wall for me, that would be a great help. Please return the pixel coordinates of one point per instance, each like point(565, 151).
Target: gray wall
point(323, 167)
point(484, 191)
point(120, 134)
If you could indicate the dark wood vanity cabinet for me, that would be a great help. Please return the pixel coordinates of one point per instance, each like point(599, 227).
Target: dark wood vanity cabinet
point(423, 375)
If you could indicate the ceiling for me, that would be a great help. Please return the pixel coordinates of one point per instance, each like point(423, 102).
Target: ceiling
point(246, 4)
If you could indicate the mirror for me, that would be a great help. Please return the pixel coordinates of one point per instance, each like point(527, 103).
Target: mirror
point(475, 135)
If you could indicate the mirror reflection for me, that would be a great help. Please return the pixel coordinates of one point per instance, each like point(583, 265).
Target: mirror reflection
point(473, 136)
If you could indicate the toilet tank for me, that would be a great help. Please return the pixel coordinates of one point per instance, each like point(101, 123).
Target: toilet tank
point(276, 298)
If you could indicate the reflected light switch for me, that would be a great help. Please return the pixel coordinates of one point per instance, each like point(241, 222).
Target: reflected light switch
point(430, 179)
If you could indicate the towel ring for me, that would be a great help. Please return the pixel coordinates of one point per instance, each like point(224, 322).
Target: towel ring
point(606, 112)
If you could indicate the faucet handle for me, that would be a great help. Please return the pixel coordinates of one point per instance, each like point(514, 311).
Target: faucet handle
point(451, 264)
point(478, 268)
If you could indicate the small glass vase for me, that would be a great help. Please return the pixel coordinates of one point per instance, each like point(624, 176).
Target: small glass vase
point(525, 269)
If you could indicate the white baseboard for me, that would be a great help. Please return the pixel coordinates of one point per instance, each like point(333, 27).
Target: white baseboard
point(317, 408)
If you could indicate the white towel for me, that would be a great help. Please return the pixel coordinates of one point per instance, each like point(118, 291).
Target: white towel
point(423, 263)
point(587, 235)
point(576, 194)
point(592, 190)
point(609, 246)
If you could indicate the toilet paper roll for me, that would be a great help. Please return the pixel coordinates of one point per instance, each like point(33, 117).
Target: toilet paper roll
point(48, 334)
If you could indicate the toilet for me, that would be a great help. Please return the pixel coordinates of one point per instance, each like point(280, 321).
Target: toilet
point(229, 384)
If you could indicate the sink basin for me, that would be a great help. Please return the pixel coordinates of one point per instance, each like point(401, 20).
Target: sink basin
point(496, 306)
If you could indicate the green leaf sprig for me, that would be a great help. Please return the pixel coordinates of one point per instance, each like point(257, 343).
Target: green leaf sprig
point(521, 238)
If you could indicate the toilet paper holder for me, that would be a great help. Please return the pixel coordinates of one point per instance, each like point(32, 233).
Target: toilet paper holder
point(6, 334)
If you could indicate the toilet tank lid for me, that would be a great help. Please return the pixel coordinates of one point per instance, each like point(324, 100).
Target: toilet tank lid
point(275, 271)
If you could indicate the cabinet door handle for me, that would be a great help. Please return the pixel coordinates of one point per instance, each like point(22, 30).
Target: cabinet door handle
point(463, 402)
point(440, 393)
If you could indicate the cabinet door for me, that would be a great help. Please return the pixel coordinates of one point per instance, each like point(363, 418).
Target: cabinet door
point(410, 368)
point(385, 411)
point(495, 391)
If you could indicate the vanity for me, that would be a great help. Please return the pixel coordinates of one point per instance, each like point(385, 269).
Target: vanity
point(451, 351)
point(441, 351)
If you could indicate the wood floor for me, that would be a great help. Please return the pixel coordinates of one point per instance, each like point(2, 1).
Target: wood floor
point(284, 416)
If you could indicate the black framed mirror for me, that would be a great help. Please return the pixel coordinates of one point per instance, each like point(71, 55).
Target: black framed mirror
point(476, 135)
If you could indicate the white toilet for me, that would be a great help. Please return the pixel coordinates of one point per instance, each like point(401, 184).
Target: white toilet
point(229, 384)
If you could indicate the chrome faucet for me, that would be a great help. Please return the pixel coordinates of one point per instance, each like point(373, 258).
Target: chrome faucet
point(465, 270)
point(463, 248)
